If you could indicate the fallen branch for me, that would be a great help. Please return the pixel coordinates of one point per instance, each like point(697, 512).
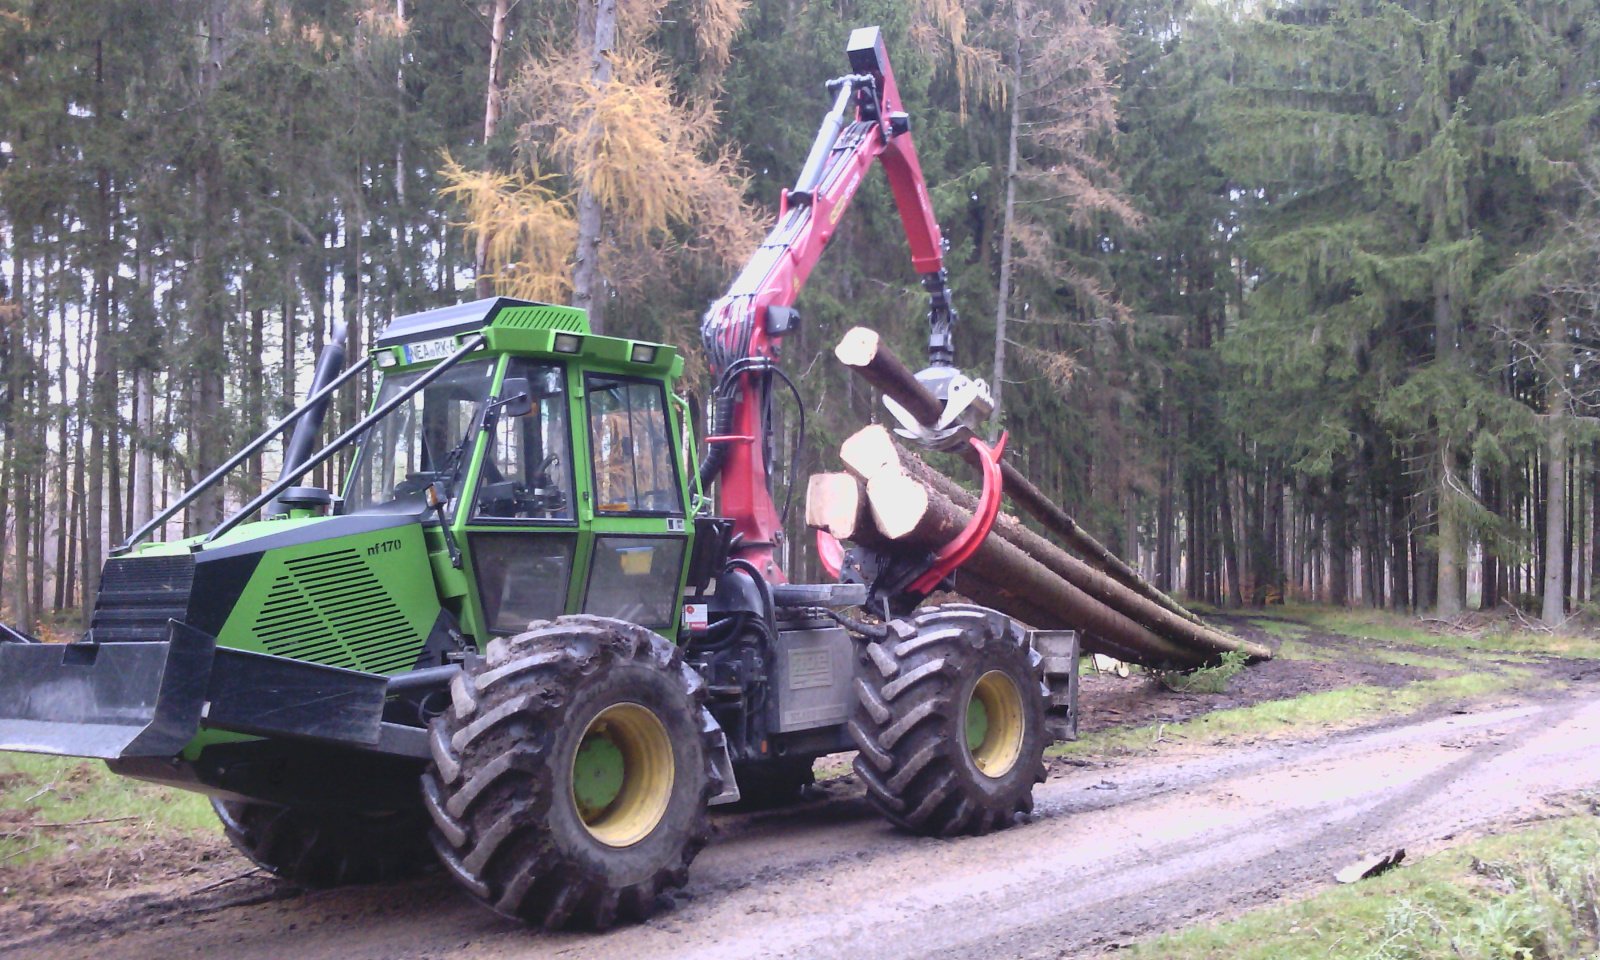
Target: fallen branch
point(78, 823)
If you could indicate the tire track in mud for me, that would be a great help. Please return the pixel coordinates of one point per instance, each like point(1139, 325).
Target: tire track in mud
point(1112, 853)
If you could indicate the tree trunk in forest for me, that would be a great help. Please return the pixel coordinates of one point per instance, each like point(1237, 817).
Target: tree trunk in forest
point(209, 416)
point(483, 283)
point(1589, 479)
point(102, 412)
point(997, 382)
point(64, 475)
point(1553, 609)
point(1230, 545)
point(599, 36)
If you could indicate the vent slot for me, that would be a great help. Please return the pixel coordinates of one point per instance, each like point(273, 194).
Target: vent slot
point(559, 319)
point(331, 608)
point(138, 595)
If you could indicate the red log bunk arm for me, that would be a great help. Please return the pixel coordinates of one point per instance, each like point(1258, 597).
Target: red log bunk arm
point(744, 330)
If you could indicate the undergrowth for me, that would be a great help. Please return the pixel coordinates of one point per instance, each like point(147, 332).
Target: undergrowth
point(1533, 894)
point(1212, 679)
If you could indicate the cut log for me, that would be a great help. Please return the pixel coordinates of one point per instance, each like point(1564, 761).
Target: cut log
point(1092, 581)
point(912, 503)
point(1002, 576)
point(837, 503)
point(863, 351)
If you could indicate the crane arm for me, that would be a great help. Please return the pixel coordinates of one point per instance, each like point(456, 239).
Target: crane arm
point(744, 329)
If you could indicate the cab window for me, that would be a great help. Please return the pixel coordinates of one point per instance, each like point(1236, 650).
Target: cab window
point(527, 471)
point(634, 469)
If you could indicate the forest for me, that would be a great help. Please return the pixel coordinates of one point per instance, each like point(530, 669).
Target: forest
point(1282, 300)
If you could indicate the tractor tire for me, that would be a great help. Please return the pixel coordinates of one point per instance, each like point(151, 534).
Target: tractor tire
point(571, 774)
point(950, 721)
point(327, 849)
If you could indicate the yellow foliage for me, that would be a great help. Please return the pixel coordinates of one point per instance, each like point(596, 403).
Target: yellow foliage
point(1055, 366)
point(939, 28)
point(532, 229)
point(716, 23)
point(639, 146)
point(639, 152)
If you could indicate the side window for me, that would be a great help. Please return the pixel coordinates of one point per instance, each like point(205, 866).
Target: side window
point(527, 472)
point(633, 467)
point(521, 577)
point(635, 579)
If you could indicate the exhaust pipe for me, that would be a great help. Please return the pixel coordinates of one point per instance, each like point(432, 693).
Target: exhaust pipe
point(329, 364)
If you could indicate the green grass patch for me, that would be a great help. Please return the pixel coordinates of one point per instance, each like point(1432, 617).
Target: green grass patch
point(48, 804)
point(1387, 627)
point(1282, 629)
point(1328, 710)
point(1528, 894)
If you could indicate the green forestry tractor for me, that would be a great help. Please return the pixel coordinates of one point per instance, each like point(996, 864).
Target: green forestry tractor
point(522, 641)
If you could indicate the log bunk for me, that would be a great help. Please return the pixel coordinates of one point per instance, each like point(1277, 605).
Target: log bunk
point(889, 499)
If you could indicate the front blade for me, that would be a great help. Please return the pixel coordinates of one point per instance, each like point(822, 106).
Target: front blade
point(107, 700)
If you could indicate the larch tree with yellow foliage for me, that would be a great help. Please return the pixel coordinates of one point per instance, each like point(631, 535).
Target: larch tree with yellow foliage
point(618, 174)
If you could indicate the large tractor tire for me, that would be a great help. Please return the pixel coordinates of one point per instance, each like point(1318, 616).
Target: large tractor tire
point(950, 721)
point(326, 848)
point(571, 773)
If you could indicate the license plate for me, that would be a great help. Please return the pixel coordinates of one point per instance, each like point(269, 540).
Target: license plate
point(425, 350)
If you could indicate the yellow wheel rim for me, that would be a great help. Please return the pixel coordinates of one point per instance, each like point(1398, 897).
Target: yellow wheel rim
point(994, 724)
point(622, 774)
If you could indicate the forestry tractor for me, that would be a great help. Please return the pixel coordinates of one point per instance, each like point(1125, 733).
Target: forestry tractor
point(521, 641)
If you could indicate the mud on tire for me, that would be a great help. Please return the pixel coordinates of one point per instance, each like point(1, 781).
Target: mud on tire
point(317, 848)
point(500, 788)
point(912, 721)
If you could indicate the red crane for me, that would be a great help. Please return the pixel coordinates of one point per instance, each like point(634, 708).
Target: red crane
point(743, 330)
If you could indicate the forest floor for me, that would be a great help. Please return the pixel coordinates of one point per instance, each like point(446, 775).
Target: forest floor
point(1175, 814)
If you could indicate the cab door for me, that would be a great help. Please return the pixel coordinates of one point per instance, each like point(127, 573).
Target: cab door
point(634, 503)
point(523, 532)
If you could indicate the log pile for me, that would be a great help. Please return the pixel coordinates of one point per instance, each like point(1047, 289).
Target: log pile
point(889, 498)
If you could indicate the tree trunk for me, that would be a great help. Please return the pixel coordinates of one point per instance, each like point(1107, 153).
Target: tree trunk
point(599, 36)
point(483, 283)
point(1008, 220)
point(1553, 610)
point(209, 417)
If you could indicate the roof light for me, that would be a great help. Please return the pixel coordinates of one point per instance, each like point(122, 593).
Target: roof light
point(643, 353)
point(568, 343)
point(386, 358)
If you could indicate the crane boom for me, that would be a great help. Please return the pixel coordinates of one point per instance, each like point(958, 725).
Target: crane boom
point(743, 330)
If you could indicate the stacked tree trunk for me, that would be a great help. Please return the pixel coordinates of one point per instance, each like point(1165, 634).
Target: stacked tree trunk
point(890, 500)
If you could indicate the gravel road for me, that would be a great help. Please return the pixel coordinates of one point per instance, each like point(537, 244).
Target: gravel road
point(1113, 853)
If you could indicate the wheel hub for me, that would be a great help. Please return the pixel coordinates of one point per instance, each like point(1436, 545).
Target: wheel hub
point(994, 724)
point(622, 774)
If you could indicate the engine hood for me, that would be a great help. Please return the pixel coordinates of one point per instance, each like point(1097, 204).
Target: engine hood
point(349, 591)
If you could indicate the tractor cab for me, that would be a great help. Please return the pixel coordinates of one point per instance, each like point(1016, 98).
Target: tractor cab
point(548, 465)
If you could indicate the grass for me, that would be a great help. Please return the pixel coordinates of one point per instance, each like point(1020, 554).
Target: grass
point(1328, 710)
point(1501, 638)
point(1531, 893)
point(49, 806)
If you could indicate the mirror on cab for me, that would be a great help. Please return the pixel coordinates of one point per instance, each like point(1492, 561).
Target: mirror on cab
point(516, 397)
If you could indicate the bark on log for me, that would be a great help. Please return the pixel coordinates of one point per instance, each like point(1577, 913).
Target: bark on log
point(899, 473)
point(863, 351)
point(1008, 579)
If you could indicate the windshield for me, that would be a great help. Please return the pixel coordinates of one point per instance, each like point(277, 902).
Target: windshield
point(420, 441)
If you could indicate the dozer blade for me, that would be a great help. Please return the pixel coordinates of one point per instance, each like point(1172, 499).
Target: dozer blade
point(104, 700)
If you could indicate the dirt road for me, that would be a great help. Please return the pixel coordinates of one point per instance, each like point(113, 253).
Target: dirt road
point(1113, 853)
